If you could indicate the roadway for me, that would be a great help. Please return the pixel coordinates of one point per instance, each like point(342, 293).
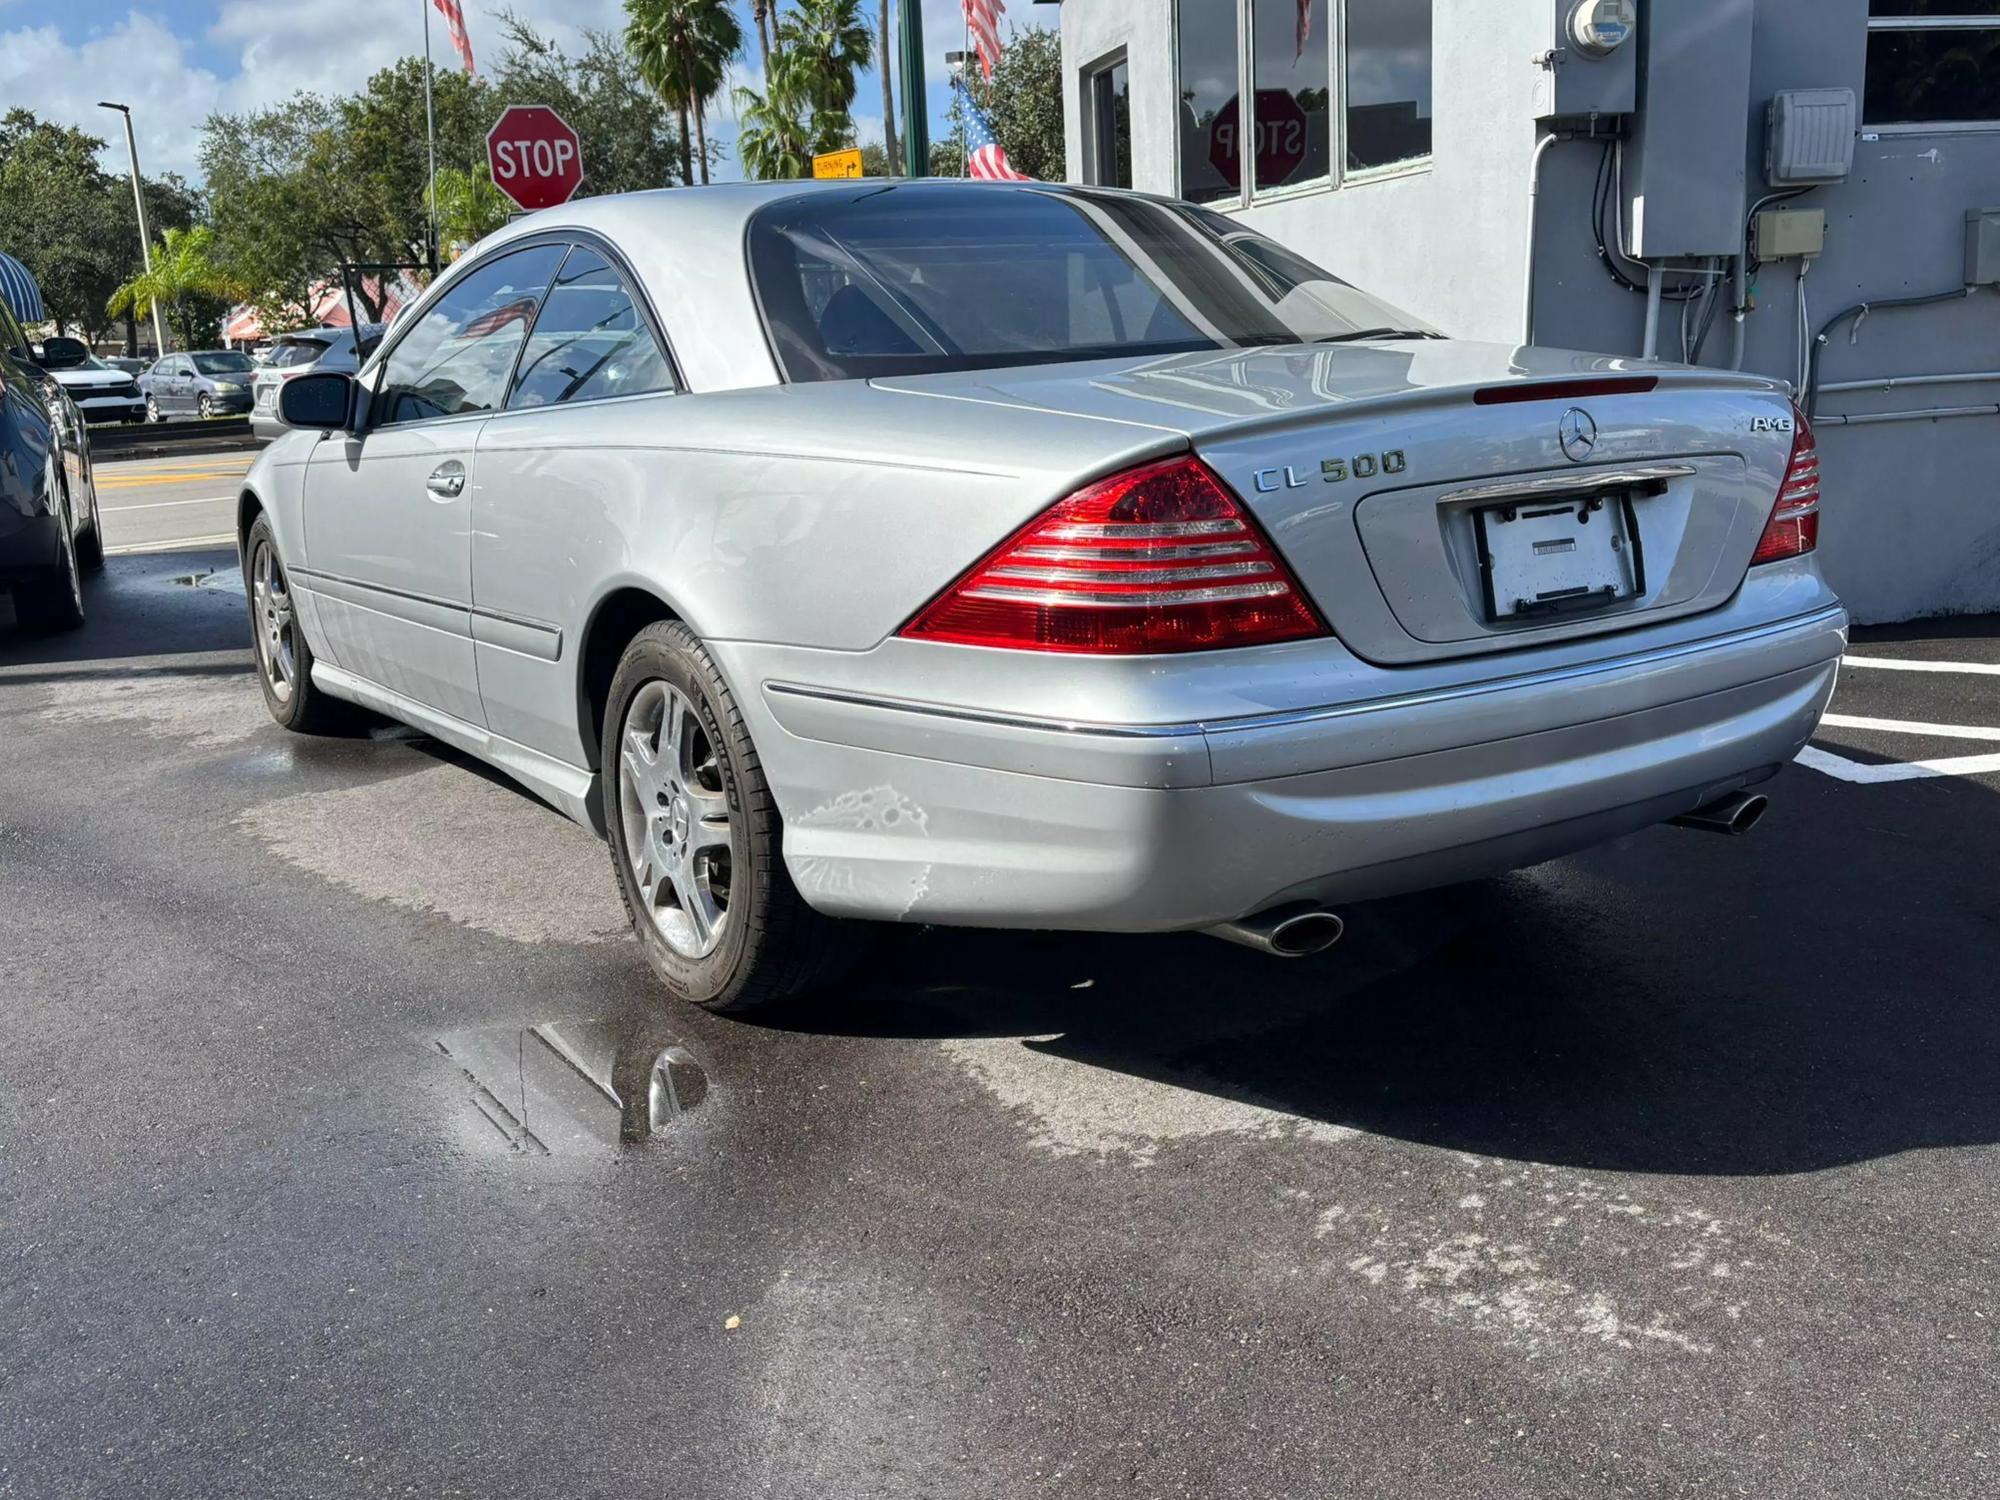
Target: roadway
point(1670, 1169)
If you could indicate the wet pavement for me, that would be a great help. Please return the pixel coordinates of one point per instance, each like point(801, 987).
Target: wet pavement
point(346, 1147)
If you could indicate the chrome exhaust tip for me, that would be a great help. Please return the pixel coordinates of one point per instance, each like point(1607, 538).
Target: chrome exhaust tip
point(1292, 931)
point(1737, 813)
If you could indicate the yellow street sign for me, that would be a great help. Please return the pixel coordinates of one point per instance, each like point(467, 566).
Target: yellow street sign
point(838, 164)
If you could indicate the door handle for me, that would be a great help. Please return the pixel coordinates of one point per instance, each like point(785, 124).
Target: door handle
point(447, 481)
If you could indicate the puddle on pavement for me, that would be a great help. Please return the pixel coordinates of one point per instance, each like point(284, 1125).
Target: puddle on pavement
point(218, 580)
point(570, 1088)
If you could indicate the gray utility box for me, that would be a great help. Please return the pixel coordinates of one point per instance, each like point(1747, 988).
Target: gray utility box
point(1574, 84)
point(1809, 137)
point(1686, 159)
point(1982, 247)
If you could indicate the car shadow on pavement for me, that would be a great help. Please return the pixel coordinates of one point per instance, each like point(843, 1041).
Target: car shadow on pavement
point(155, 604)
point(1682, 1004)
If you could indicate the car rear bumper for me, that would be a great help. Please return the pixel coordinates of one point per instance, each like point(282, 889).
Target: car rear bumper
point(113, 409)
point(28, 544)
point(943, 813)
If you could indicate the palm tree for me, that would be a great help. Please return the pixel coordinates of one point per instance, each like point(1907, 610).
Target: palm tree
point(683, 48)
point(469, 207)
point(184, 271)
point(883, 53)
point(778, 133)
point(829, 42)
point(760, 13)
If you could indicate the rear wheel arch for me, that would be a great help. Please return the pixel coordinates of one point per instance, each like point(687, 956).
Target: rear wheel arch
point(619, 616)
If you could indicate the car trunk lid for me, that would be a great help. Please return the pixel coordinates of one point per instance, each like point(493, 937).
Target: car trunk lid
point(1437, 498)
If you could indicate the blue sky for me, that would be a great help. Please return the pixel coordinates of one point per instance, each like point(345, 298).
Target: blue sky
point(177, 61)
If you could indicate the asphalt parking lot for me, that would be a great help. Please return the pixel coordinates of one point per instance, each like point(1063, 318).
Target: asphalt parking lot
point(1665, 1170)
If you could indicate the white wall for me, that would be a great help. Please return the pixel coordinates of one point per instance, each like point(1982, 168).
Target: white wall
point(1446, 241)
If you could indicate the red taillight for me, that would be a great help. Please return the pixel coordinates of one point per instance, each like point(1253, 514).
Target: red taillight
point(1793, 529)
point(1156, 559)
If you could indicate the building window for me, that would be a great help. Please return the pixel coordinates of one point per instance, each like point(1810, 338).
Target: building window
point(1291, 132)
point(1111, 126)
point(1379, 51)
point(1933, 62)
point(1210, 75)
point(1388, 82)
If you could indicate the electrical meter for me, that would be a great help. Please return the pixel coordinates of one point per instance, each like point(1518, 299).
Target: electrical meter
point(1601, 27)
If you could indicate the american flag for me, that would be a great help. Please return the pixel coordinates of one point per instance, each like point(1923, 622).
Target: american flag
point(454, 25)
point(982, 19)
point(984, 156)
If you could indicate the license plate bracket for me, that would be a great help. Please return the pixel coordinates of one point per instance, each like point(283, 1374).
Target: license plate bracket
point(1558, 555)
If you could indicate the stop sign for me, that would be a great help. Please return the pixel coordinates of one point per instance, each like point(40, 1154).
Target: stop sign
point(1281, 139)
point(536, 158)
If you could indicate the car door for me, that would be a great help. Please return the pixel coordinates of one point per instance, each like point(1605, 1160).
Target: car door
point(388, 528)
point(180, 384)
point(541, 540)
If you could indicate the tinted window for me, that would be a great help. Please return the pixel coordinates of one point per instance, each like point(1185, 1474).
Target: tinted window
point(1388, 82)
point(1111, 125)
point(456, 358)
point(294, 352)
point(1292, 135)
point(222, 364)
point(1921, 74)
point(590, 341)
point(11, 336)
point(1210, 123)
point(942, 277)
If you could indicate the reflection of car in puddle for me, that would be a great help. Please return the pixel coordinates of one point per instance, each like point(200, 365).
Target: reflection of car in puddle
point(571, 1087)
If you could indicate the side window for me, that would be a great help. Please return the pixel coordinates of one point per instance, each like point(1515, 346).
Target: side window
point(590, 341)
point(456, 358)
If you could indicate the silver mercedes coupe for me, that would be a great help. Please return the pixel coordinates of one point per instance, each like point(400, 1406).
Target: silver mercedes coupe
point(1018, 555)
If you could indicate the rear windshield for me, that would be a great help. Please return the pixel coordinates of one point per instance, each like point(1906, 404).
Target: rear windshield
point(222, 364)
point(292, 352)
point(941, 276)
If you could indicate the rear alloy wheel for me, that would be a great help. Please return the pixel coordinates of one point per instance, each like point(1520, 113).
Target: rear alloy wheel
point(284, 657)
point(52, 600)
point(697, 839)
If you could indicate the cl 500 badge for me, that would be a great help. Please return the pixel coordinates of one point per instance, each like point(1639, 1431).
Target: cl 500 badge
point(1333, 470)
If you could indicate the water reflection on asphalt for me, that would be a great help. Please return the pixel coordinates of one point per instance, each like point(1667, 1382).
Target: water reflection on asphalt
point(574, 1087)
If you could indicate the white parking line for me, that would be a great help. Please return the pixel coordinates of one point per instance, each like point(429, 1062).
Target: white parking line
point(1914, 664)
point(177, 544)
point(164, 504)
point(1839, 766)
point(1911, 726)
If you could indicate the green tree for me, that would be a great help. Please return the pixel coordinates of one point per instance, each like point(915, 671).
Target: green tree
point(469, 207)
point(629, 142)
point(683, 48)
point(187, 284)
point(1024, 102)
point(776, 137)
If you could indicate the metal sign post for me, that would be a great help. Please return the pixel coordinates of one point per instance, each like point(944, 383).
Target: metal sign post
point(916, 98)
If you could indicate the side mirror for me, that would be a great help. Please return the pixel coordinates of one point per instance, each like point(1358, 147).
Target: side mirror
point(322, 401)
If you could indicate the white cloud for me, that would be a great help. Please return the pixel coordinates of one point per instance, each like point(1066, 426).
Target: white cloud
point(139, 61)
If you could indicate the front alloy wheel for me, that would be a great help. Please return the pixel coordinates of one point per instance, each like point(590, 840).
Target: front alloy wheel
point(153, 409)
point(205, 406)
point(275, 625)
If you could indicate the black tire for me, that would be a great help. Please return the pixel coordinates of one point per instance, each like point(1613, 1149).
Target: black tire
point(153, 412)
point(205, 406)
point(90, 545)
point(51, 601)
point(294, 700)
point(772, 946)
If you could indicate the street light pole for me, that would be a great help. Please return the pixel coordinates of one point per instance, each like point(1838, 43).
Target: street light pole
point(916, 98)
point(145, 234)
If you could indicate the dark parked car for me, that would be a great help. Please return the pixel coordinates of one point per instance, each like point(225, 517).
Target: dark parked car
point(205, 383)
point(49, 535)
